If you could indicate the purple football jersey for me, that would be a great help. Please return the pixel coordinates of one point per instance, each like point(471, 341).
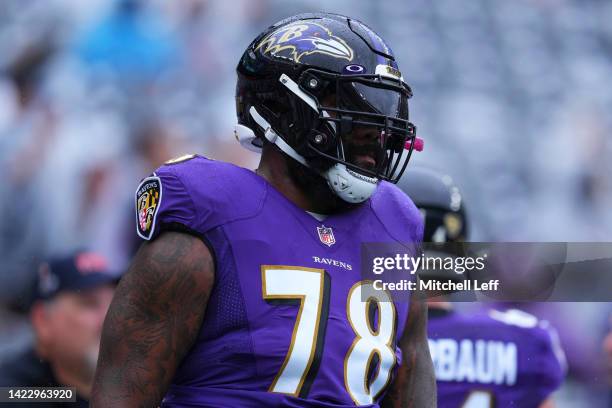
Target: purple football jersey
point(285, 324)
point(494, 359)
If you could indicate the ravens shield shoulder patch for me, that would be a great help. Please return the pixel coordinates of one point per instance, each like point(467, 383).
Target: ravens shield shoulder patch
point(148, 198)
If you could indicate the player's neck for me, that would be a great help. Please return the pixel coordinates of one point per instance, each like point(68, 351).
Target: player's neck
point(273, 168)
point(439, 303)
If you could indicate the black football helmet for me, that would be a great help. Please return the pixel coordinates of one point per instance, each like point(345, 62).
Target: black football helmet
point(311, 79)
point(440, 202)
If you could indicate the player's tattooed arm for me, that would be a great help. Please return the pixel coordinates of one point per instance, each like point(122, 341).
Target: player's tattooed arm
point(415, 384)
point(153, 321)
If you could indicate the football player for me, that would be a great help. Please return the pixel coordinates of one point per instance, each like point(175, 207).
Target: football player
point(248, 291)
point(488, 359)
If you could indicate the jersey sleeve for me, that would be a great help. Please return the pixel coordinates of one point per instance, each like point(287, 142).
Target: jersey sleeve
point(400, 217)
point(163, 202)
point(194, 194)
point(552, 365)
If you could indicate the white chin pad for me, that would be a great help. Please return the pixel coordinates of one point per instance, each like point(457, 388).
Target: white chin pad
point(246, 137)
point(350, 186)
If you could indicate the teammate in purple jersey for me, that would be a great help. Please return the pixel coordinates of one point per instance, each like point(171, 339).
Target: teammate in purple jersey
point(488, 359)
point(248, 291)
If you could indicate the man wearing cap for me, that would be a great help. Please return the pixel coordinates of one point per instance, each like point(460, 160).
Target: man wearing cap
point(71, 298)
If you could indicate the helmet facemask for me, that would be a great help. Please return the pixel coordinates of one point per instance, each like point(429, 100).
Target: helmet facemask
point(350, 104)
point(342, 107)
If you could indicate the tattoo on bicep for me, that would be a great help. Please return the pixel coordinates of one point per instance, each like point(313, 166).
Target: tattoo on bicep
point(155, 316)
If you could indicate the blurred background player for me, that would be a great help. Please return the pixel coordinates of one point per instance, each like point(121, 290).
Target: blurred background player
point(488, 358)
point(607, 350)
point(70, 298)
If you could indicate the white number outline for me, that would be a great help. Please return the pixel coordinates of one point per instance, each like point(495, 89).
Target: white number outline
point(322, 301)
point(374, 333)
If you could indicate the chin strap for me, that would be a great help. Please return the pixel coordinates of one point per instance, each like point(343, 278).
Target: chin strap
point(347, 184)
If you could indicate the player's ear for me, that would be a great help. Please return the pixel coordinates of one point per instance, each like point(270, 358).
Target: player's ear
point(41, 323)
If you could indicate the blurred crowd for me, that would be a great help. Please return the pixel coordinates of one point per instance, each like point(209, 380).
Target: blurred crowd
point(512, 98)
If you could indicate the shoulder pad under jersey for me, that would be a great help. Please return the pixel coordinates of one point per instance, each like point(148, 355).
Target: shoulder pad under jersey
point(198, 194)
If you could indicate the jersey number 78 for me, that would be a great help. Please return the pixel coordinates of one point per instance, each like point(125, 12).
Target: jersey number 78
point(310, 288)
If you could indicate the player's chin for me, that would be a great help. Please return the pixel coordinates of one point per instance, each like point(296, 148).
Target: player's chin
point(365, 162)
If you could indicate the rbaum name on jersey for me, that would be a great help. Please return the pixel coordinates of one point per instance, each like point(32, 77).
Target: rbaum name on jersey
point(474, 361)
point(494, 359)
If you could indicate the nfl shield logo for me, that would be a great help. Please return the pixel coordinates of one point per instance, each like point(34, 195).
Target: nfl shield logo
point(326, 235)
